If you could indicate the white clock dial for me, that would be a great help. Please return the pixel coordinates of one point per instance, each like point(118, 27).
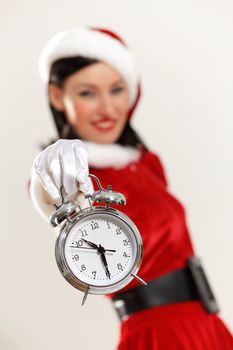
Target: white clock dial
point(100, 250)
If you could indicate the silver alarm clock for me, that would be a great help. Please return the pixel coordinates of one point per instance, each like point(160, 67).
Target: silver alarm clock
point(99, 249)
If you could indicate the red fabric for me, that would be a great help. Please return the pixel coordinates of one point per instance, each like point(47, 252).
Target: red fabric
point(161, 221)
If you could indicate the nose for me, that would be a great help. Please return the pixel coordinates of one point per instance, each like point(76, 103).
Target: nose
point(106, 105)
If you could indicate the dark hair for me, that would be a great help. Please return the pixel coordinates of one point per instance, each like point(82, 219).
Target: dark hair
point(61, 70)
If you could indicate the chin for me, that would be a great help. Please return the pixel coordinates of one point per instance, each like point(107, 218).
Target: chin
point(97, 136)
point(105, 139)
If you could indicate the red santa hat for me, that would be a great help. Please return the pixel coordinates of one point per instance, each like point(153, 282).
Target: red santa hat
point(96, 43)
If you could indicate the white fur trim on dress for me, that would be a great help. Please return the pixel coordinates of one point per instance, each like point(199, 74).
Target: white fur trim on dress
point(92, 44)
point(110, 155)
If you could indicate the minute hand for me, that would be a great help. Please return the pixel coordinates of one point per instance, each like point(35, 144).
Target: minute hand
point(103, 258)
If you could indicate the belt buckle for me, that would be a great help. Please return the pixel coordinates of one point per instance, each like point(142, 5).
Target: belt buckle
point(204, 290)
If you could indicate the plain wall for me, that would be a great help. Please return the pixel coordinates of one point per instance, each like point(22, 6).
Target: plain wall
point(184, 52)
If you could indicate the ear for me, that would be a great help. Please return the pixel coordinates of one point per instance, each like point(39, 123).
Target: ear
point(56, 97)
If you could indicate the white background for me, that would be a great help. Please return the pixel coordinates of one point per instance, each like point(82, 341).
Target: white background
point(184, 51)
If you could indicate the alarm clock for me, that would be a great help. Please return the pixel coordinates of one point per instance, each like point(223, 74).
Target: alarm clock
point(99, 249)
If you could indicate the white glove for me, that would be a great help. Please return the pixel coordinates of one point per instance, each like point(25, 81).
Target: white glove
point(62, 169)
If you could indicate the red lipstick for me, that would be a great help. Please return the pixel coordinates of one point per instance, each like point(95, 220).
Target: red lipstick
point(104, 124)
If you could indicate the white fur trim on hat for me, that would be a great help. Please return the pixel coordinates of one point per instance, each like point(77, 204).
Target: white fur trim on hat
point(92, 44)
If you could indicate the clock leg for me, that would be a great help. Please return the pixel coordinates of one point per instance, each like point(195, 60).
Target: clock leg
point(139, 279)
point(85, 295)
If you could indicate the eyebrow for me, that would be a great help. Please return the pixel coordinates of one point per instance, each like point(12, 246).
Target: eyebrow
point(120, 81)
point(84, 85)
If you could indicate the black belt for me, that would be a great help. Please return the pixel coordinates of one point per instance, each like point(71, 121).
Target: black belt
point(181, 285)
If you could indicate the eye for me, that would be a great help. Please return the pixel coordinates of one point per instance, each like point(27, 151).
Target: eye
point(117, 90)
point(86, 93)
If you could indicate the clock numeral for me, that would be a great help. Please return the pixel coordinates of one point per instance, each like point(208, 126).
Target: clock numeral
point(94, 225)
point(94, 274)
point(125, 241)
point(108, 224)
point(79, 243)
point(119, 266)
point(118, 231)
point(76, 257)
point(125, 255)
point(83, 232)
point(83, 267)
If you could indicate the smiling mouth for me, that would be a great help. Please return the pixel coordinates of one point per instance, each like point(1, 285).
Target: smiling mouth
point(104, 124)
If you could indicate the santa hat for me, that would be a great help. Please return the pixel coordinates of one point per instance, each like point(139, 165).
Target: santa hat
point(96, 43)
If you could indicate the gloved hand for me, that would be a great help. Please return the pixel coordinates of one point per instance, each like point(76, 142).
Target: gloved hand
point(62, 169)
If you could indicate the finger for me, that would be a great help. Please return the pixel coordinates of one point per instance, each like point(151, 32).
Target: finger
point(86, 186)
point(40, 166)
point(68, 171)
point(81, 163)
point(53, 164)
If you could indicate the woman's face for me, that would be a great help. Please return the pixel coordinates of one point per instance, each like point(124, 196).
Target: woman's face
point(95, 101)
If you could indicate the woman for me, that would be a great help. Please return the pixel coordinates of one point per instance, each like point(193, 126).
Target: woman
point(93, 90)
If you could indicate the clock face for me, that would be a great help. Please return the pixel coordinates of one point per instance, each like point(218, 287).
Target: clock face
point(101, 249)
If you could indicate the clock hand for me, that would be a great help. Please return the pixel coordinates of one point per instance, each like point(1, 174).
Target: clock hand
point(101, 250)
point(76, 246)
point(95, 246)
point(91, 244)
point(103, 258)
point(81, 247)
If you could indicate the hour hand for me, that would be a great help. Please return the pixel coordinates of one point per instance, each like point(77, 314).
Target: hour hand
point(91, 244)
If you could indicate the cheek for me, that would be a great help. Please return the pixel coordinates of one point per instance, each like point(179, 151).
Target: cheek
point(123, 107)
point(123, 102)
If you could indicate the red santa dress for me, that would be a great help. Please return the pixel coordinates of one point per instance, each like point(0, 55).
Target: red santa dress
point(161, 221)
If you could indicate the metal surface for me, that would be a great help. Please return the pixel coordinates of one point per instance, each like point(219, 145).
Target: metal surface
point(63, 212)
point(93, 214)
point(108, 197)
